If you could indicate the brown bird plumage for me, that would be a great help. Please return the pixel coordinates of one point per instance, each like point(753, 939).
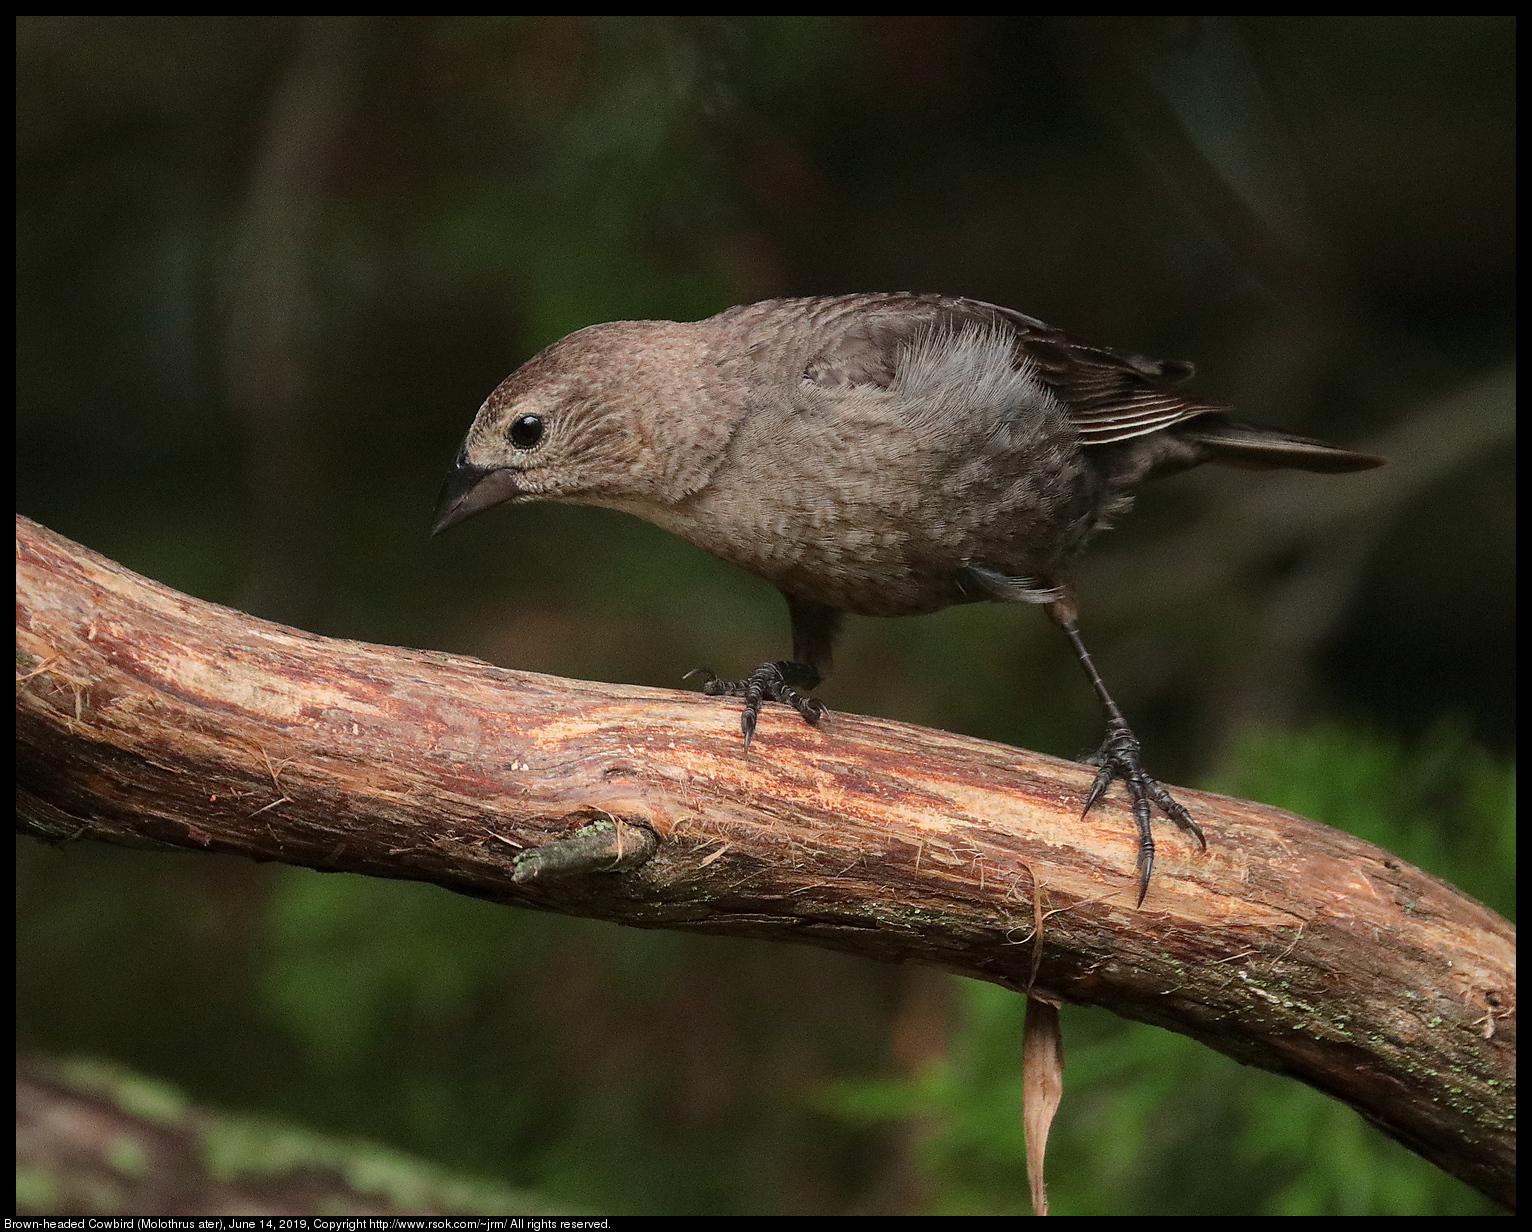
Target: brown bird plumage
point(885, 454)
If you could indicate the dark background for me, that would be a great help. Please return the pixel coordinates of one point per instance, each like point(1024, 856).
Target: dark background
point(268, 268)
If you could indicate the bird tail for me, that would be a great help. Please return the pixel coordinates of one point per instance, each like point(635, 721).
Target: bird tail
point(1231, 443)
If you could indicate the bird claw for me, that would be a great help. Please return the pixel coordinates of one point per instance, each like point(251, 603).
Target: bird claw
point(1118, 758)
point(782, 681)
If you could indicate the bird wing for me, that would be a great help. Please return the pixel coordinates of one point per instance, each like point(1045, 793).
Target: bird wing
point(1108, 395)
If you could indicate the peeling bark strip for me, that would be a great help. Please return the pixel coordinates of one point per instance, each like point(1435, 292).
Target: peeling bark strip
point(149, 718)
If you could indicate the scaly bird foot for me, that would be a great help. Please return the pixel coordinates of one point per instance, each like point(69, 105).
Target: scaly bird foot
point(1118, 759)
point(781, 681)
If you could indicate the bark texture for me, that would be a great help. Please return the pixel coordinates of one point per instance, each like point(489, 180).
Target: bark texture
point(150, 718)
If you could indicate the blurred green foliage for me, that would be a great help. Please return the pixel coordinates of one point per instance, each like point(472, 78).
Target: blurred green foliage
point(253, 1155)
point(1443, 802)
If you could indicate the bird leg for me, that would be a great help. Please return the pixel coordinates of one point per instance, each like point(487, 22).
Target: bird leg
point(781, 681)
point(1118, 759)
point(814, 630)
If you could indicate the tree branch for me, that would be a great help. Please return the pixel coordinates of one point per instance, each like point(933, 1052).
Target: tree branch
point(149, 718)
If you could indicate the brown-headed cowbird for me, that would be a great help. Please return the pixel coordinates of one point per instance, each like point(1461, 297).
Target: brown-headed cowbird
point(885, 454)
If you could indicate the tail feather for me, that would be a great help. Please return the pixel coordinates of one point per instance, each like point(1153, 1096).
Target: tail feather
point(1231, 443)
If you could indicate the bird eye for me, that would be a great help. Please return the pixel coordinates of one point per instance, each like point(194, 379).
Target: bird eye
point(526, 431)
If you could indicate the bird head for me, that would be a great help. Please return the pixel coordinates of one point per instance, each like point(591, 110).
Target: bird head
point(627, 415)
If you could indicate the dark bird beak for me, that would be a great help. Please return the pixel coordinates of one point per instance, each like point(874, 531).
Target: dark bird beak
point(470, 489)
